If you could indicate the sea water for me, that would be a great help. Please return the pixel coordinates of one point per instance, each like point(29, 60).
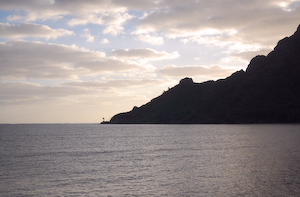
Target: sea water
point(149, 160)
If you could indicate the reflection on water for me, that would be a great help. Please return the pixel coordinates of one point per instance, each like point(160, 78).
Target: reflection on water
point(145, 160)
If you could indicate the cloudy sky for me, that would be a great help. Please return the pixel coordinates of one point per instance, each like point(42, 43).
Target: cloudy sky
point(74, 61)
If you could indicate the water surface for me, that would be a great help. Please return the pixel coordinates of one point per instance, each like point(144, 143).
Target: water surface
point(149, 160)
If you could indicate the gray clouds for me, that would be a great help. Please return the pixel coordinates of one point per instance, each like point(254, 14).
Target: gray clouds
point(120, 83)
point(16, 92)
point(31, 30)
point(255, 22)
point(75, 101)
point(20, 59)
point(110, 13)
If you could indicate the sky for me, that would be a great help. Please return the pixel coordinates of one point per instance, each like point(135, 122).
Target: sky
point(74, 61)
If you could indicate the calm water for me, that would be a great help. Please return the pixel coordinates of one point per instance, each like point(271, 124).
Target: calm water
point(149, 160)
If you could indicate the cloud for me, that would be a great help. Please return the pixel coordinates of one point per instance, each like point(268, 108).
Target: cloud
point(146, 53)
point(44, 10)
point(105, 41)
point(113, 21)
point(113, 30)
point(27, 102)
point(248, 55)
point(88, 36)
point(247, 22)
point(25, 91)
point(195, 70)
point(234, 30)
point(78, 7)
point(31, 12)
point(136, 4)
point(112, 14)
point(31, 30)
point(20, 59)
point(120, 83)
point(254, 22)
point(155, 40)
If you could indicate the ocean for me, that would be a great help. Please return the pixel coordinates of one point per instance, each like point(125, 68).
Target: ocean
point(149, 160)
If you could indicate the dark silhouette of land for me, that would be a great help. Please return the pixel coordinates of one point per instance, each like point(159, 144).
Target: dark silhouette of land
point(267, 92)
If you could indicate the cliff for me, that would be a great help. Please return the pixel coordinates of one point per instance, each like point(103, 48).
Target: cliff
point(267, 92)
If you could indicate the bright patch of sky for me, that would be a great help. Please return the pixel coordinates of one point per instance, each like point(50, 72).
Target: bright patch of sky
point(86, 60)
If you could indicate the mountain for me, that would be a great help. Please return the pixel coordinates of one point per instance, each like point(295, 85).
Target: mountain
point(267, 92)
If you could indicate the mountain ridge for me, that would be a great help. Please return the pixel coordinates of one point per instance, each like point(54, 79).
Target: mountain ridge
point(267, 92)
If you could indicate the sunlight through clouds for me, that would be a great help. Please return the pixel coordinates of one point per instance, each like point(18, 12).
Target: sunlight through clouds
point(39, 60)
